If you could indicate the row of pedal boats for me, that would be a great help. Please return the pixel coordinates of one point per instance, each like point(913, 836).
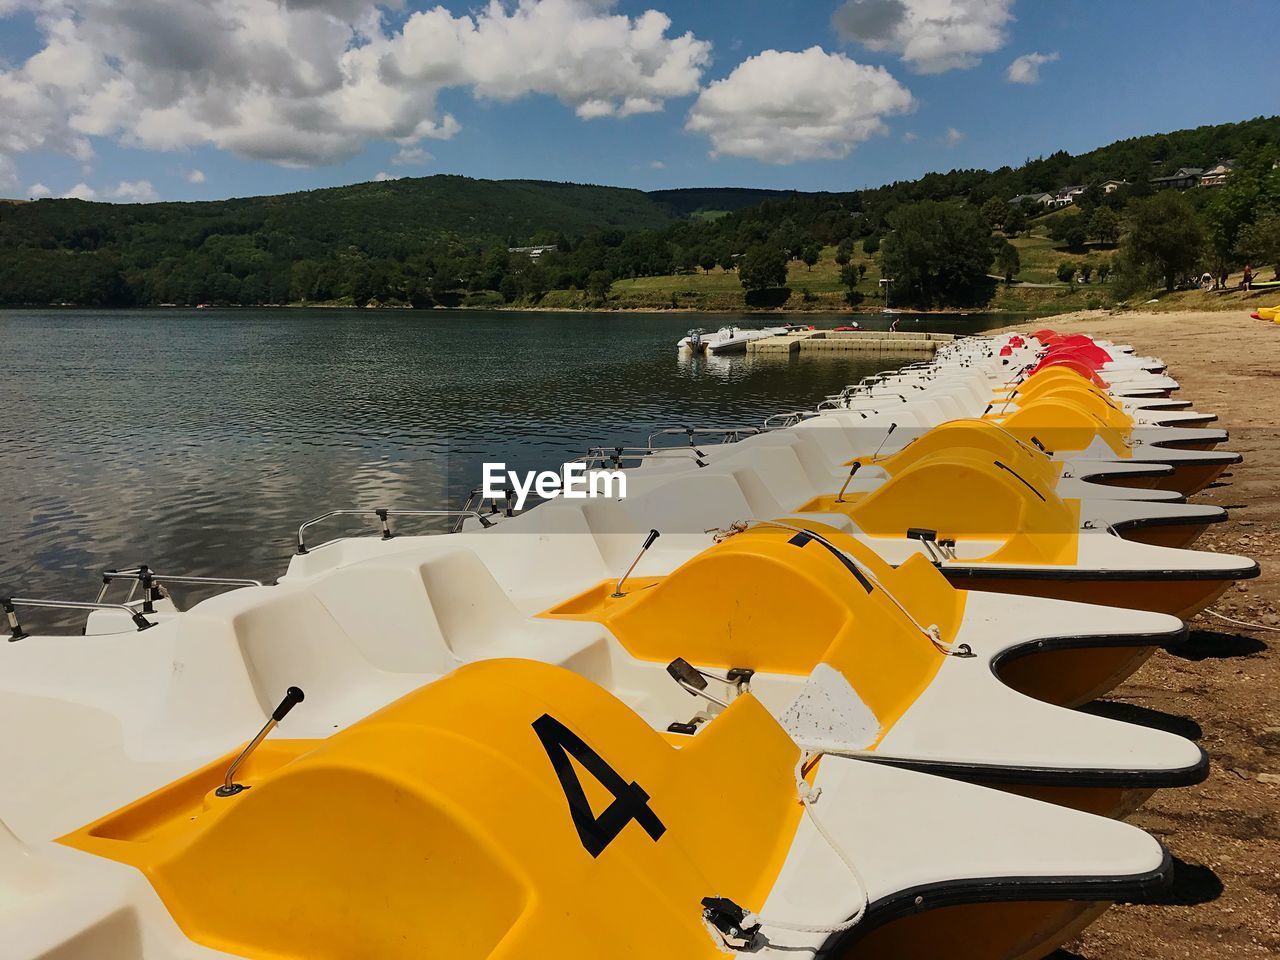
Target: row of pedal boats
point(811, 693)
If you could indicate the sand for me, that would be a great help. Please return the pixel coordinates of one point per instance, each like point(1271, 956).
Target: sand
point(1222, 686)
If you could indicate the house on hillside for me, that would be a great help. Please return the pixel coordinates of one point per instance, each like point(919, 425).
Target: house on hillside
point(1217, 175)
point(1043, 199)
point(1067, 195)
point(1111, 186)
point(1184, 178)
point(534, 253)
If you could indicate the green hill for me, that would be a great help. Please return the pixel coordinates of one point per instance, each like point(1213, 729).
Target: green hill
point(690, 201)
point(444, 239)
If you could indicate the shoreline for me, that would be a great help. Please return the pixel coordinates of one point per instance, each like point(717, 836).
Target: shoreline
point(1219, 684)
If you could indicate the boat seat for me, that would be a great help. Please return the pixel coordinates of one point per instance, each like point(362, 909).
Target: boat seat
point(289, 638)
point(383, 609)
point(555, 546)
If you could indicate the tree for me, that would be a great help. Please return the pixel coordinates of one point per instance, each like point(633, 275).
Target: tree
point(937, 253)
point(1104, 226)
point(1163, 238)
point(1259, 242)
point(362, 285)
point(862, 270)
point(1066, 271)
point(764, 267)
point(599, 285)
point(849, 278)
point(1016, 222)
point(707, 259)
point(1104, 271)
point(844, 252)
point(1008, 261)
point(535, 283)
point(996, 212)
point(1086, 271)
point(871, 245)
point(727, 261)
point(1075, 233)
point(810, 255)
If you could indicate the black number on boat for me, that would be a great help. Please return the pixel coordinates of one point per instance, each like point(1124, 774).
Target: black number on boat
point(630, 801)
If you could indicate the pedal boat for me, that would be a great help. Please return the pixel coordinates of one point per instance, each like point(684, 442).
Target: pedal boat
point(1071, 421)
point(984, 525)
point(1102, 647)
point(1169, 524)
point(420, 831)
point(837, 642)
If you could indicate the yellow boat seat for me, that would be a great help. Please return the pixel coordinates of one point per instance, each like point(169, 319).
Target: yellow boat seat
point(774, 600)
point(1063, 424)
point(510, 810)
point(968, 494)
point(1015, 451)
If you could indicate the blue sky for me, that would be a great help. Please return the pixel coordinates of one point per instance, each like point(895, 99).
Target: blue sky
point(144, 99)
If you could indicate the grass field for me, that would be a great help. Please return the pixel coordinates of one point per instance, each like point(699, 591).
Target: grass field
point(1040, 256)
point(820, 288)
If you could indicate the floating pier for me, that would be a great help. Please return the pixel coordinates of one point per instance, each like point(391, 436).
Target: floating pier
point(876, 342)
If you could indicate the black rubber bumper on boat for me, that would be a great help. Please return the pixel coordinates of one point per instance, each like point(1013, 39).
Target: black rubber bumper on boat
point(1135, 888)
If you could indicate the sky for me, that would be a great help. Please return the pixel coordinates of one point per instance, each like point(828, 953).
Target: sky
point(144, 100)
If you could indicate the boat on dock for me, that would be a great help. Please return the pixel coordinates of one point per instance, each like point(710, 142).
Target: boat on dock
point(729, 339)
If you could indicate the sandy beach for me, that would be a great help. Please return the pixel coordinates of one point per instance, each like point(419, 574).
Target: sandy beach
point(1222, 686)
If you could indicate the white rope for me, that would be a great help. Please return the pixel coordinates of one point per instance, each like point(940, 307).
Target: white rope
point(932, 632)
point(808, 797)
point(1242, 623)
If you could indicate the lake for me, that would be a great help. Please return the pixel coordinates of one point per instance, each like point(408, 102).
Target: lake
point(197, 441)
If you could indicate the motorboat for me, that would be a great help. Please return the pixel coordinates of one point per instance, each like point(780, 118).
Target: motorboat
point(730, 339)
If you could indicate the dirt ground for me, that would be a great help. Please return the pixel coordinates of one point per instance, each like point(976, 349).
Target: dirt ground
point(1222, 686)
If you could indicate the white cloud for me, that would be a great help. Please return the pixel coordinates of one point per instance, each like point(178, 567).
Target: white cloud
point(411, 157)
point(305, 82)
point(952, 136)
point(81, 191)
point(910, 137)
point(38, 191)
point(134, 191)
point(657, 165)
point(8, 173)
point(195, 176)
point(382, 176)
point(783, 107)
point(1026, 69)
point(931, 36)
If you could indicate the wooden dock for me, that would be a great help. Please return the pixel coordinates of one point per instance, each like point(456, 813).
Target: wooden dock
point(870, 342)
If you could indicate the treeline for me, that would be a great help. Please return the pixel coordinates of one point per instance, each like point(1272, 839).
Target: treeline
point(445, 240)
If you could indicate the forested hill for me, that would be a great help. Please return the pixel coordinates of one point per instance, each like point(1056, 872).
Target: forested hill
point(694, 200)
point(382, 218)
point(422, 240)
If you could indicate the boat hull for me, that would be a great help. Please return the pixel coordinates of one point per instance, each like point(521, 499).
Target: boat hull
point(1072, 676)
point(985, 931)
point(1182, 598)
point(1186, 478)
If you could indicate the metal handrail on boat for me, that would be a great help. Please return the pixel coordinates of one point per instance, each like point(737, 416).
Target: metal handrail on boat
point(152, 583)
point(616, 455)
point(9, 604)
point(787, 419)
point(731, 434)
point(383, 514)
point(476, 501)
